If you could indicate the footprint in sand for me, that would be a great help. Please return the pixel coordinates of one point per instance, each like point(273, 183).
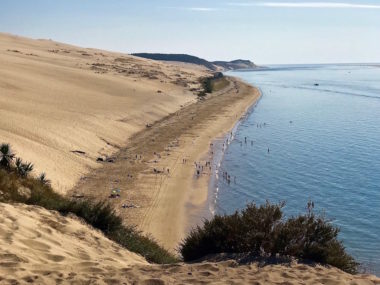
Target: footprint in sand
point(54, 257)
point(153, 282)
point(32, 234)
point(207, 267)
point(205, 273)
point(6, 236)
point(11, 260)
point(82, 255)
point(111, 281)
point(36, 245)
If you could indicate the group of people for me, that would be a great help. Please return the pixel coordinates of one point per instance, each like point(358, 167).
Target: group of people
point(261, 125)
point(199, 167)
point(227, 177)
point(157, 171)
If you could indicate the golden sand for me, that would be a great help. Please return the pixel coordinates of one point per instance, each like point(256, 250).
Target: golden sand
point(56, 99)
point(62, 108)
point(42, 247)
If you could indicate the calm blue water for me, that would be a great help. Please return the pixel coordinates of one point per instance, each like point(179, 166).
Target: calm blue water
point(330, 153)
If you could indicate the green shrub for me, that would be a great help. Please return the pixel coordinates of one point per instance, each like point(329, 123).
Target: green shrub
point(98, 214)
point(262, 231)
point(6, 156)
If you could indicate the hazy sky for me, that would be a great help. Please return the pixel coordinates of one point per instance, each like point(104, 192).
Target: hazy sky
point(292, 31)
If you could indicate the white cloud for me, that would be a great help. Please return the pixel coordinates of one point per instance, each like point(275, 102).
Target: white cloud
point(201, 9)
point(341, 5)
point(195, 9)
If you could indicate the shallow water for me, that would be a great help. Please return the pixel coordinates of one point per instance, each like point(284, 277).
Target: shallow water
point(324, 145)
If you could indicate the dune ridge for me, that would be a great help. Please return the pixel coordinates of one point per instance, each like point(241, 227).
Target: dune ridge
point(58, 99)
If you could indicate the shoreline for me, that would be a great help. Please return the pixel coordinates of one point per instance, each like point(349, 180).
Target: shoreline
point(217, 159)
point(165, 198)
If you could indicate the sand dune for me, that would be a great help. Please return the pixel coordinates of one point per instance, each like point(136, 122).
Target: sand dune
point(41, 247)
point(62, 107)
point(56, 99)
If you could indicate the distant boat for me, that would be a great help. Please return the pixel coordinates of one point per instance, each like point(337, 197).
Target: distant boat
point(316, 84)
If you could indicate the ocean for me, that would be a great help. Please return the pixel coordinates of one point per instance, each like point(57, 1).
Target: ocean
point(313, 135)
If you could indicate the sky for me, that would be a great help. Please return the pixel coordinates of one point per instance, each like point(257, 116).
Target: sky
point(266, 32)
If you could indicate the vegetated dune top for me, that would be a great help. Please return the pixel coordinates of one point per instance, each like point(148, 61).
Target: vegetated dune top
point(44, 247)
point(58, 99)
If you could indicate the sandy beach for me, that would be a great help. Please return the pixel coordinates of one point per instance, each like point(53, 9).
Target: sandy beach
point(166, 203)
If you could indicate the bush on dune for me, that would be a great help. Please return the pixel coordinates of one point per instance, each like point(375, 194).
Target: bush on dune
point(262, 231)
point(98, 214)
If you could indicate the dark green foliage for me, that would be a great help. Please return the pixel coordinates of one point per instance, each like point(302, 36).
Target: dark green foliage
point(6, 155)
point(261, 230)
point(43, 179)
point(135, 241)
point(18, 165)
point(98, 214)
point(23, 169)
point(208, 83)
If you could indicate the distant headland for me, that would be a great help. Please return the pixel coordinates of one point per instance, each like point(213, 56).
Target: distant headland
point(212, 65)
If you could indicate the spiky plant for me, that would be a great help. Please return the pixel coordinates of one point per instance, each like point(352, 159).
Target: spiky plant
point(6, 156)
point(18, 164)
point(26, 168)
point(43, 179)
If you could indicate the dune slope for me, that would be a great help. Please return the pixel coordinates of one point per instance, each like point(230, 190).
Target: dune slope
point(62, 106)
point(42, 247)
